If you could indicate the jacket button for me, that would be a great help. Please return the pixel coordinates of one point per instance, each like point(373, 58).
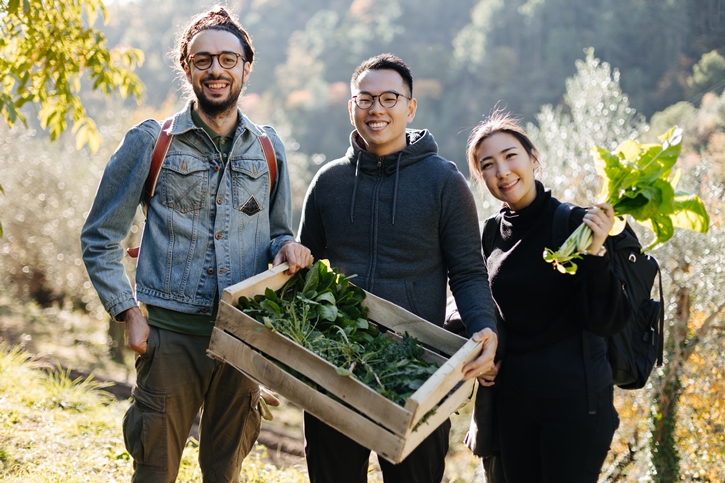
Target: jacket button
point(219, 201)
point(210, 271)
point(216, 168)
point(218, 236)
point(204, 310)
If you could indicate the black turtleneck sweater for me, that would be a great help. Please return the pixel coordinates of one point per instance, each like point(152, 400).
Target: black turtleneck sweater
point(543, 311)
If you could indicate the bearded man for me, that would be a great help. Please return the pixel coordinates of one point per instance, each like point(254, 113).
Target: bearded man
point(219, 214)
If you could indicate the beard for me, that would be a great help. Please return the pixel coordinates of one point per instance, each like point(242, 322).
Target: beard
point(217, 107)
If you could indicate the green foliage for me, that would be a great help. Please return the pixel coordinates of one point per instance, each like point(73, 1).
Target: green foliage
point(708, 74)
point(45, 49)
point(321, 311)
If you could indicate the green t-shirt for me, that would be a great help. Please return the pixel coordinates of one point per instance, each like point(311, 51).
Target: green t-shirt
point(192, 324)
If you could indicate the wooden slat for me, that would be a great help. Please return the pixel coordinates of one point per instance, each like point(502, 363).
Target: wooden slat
point(225, 347)
point(389, 414)
point(274, 278)
point(442, 381)
point(447, 407)
point(402, 321)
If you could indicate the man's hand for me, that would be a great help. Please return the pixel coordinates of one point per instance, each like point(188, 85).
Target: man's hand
point(296, 255)
point(137, 331)
point(483, 365)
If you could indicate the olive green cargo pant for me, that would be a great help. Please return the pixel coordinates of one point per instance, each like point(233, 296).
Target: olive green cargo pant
point(174, 379)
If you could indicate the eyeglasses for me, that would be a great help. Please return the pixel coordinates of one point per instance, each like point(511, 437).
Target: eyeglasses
point(387, 100)
point(227, 60)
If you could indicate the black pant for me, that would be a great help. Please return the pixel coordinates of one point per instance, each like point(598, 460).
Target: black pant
point(332, 457)
point(554, 440)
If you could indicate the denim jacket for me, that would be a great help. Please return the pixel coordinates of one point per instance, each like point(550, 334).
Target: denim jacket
point(210, 224)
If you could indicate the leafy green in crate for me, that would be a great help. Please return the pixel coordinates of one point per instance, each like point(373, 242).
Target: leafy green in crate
point(319, 309)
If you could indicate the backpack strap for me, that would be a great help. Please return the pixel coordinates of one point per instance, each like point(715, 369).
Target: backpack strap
point(269, 156)
point(491, 229)
point(560, 227)
point(157, 159)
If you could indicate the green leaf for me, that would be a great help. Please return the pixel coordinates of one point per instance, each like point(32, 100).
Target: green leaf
point(326, 297)
point(271, 295)
point(343, 372)
point(312, 279)
point(13, 6)
point(362, 324)
point(328, 312)
point(690, 213)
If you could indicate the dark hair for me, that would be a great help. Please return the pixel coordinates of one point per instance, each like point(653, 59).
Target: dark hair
point(385, 62)
point(497, 121)
point(216, 18)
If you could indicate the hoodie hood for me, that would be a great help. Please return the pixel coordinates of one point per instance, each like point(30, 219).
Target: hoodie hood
point(420, 146)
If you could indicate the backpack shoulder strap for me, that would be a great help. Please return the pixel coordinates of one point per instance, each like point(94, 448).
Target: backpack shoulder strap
point(560, 226)
point(269, 155)
point(157, 159)
point(491, 228)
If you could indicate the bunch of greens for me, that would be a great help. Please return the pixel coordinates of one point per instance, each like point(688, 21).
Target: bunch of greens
point(321, 310)
point(638, 180)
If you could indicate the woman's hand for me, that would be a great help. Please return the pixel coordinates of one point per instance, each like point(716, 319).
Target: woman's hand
point(600, 218)
point(487, 378)
point(483, 364)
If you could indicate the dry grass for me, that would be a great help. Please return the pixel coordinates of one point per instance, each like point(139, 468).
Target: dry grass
point(54, 429)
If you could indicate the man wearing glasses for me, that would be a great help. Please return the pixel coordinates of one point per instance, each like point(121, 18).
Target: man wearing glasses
point(403, 219)
point(218, 215)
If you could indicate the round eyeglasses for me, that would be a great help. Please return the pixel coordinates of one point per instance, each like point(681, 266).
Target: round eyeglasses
point(387, 100)
point(227, 60)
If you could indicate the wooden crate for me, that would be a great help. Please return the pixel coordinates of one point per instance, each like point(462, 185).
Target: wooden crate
point(392, 431)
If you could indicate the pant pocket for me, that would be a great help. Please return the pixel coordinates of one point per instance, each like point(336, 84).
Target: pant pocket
point(144, 428)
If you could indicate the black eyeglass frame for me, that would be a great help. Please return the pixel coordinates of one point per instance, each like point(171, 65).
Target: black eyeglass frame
point(379, 98)
point(191, 59)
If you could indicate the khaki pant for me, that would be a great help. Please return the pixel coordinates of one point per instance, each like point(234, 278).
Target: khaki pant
point(175, 379)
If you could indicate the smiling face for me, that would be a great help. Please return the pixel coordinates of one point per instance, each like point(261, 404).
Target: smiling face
point(217, 89)
point(382, 128)
point(507, 170)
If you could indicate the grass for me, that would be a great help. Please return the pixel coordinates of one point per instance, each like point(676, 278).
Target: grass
point(57, 430)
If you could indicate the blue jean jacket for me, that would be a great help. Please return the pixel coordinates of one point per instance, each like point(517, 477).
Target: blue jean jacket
point(210, 224)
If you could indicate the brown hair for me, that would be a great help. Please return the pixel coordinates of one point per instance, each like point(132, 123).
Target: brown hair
point(215, 18)
point(497, 121)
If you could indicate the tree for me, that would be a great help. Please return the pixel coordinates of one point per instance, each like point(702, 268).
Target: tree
point(45, 50)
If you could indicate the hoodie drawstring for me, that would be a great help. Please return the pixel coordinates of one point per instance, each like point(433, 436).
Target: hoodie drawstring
point(395, 189)
point(354, 189)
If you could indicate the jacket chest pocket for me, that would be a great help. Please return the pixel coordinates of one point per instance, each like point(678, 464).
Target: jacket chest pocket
point(185, 183)
point(250, 185)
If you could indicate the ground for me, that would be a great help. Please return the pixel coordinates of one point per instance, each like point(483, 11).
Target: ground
point(76, 341)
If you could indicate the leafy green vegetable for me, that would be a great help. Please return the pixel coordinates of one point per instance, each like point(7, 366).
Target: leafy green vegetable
point(320, 310)
point(638, 180)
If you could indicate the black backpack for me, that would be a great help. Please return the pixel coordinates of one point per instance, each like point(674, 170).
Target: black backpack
point(635, 350)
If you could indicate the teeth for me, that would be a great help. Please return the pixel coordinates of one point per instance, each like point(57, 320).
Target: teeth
point(506, 186)
point(377, 124)
point(215, 86)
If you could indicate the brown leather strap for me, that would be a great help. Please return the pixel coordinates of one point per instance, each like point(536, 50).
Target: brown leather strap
point(157, 159)
point(270, 157)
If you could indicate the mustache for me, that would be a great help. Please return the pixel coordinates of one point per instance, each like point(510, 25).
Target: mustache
point(212, 77)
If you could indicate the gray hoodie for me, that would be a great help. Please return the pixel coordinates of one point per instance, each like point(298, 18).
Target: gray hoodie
point(404, 223)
